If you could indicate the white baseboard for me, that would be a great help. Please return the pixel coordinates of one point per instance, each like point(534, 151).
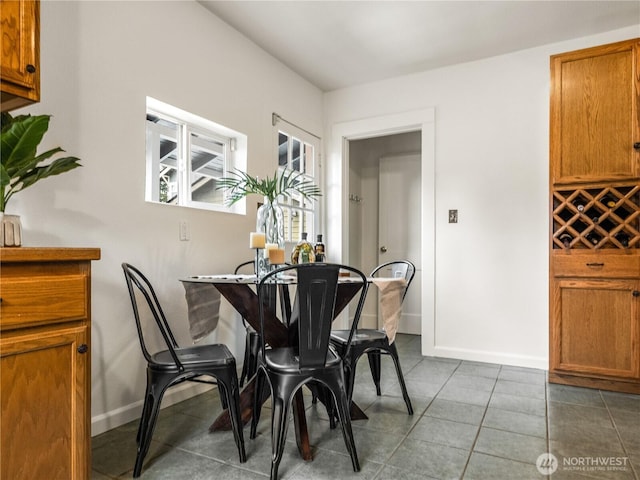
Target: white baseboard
point(127, 413)
point(492, 357)
point(368, 321)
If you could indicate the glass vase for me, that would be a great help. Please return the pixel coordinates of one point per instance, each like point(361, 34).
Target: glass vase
point(270, 221)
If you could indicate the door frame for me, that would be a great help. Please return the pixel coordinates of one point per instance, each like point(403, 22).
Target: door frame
point(337, 195)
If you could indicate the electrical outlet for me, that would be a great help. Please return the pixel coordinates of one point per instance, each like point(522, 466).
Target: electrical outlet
point(453, 216)
point(184, 231)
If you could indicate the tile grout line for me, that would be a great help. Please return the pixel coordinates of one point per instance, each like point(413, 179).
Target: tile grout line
point(615, 427)
point(546, 411)
point(484, 414)
point(406, 435)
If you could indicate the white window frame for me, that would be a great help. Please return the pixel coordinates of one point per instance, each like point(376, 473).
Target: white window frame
point(316, 176)
point(233, 143)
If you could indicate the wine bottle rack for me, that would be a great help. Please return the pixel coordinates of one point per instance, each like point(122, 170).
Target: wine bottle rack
point(599, 217)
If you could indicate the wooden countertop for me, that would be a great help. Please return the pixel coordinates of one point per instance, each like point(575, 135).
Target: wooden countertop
point(46, 254)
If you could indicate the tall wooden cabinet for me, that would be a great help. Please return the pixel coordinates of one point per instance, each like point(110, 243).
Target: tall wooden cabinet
point(45, 363)
point(20, 59)
point(595, 217)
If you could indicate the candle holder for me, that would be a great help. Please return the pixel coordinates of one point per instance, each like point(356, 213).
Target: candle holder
point(257, 242)
point(262, 263)
point(256, 266)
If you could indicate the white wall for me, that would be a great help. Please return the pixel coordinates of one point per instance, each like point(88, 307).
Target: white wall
point(491, 163)
point(99, 62)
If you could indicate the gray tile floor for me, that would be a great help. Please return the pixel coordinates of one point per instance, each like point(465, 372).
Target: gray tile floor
point(471, 421)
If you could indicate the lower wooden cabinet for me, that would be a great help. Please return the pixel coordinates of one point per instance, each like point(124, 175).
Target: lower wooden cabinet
point(595, 320)
point(45, 363)
point(44, 404)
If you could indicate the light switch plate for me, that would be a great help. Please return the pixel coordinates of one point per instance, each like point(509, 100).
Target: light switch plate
point(184, 231)
point(453, 216)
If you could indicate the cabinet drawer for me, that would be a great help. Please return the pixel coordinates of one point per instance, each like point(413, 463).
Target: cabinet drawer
point(604, 266)
point(42, 299)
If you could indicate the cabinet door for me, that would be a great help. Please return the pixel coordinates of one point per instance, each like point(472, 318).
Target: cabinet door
point(594, 114)
point(44, 405)
point(20, 59)
point(595, 327)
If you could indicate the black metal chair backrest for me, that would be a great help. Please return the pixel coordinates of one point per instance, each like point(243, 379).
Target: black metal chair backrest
point(285, 302)
point(398, 269)
point(136, 280)
point(244, 265)
point(314, 307)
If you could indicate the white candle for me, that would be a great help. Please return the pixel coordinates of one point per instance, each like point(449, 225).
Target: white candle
point(276, 256)
point(256, 240)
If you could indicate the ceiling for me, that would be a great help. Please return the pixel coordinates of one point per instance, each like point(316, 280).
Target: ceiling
point(336, 44)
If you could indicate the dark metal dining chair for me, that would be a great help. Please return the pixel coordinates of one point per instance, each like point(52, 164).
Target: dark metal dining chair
point(173, 365)
point(375, 342)
point(252, 339)
point(308, 358)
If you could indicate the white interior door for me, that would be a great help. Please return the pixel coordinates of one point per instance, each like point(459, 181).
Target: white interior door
point(400, 229)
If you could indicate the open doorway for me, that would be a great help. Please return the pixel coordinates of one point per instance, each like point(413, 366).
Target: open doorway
point(338, 205)
point(385, 215)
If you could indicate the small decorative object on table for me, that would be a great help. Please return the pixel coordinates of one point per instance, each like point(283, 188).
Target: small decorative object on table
point(319, 249)
point(10, 230)
point(303, 251)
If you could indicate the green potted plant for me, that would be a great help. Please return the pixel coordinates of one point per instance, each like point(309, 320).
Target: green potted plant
point(240, 184)
point(21, 166)
point(270, 218)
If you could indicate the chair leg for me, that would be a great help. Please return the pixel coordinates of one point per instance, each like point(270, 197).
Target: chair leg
point(329, 403)
point(350, 375)
point(232, 394)
point(341, 400)
point(146, 428)
point(144, 417)
point(257, 404)
point(281, 404)
point(374, 363)
point(349, 372)
point(245, 362)
point(254, 354)
point(393, 351)
point(223, 396)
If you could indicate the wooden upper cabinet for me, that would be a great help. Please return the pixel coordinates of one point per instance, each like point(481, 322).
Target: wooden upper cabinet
point(594, 114)
point(20, 59)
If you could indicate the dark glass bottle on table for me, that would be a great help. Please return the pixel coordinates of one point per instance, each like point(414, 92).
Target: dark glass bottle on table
point(319, 249)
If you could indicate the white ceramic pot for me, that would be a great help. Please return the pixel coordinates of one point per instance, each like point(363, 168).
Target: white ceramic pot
point(10, 230)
